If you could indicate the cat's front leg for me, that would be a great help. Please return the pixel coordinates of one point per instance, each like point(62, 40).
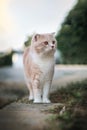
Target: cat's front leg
point(37, 92)
point(37, 96)
point(46, 90)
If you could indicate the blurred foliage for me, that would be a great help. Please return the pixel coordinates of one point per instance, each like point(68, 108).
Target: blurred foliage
point(28, 41)
point(72, 38)
point(6, 58)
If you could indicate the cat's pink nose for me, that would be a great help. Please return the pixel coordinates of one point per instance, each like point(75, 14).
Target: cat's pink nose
point(52, 47)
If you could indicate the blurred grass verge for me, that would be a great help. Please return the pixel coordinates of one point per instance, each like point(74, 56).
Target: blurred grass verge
point(11, 92)
point(73, 115)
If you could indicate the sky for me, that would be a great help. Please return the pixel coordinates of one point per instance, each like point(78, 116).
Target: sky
point(21, 18)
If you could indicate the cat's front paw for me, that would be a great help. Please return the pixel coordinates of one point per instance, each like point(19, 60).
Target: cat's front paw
point(37, 101)
point(31, 98)
point(46, 100)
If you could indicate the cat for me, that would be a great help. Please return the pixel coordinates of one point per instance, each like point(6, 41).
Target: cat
point(39, 62)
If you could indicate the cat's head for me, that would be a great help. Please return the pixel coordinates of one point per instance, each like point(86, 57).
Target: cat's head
point(44, 43)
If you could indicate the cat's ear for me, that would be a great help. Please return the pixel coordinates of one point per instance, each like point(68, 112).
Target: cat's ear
point(53, 33)
point(36, 37)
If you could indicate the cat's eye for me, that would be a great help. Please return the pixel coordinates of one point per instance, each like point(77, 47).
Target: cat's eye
point(53, 42)
point(46, 43)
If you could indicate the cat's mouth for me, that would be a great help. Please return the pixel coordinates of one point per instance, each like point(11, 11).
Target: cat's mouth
point(53, 48)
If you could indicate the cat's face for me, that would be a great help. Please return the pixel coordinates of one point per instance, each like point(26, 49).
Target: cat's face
point(44, 43)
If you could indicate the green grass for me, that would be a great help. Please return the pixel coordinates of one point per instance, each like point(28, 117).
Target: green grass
point(74, 98)
point(72, 94)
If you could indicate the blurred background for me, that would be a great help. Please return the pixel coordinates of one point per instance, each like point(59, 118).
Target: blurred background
point(19, 19)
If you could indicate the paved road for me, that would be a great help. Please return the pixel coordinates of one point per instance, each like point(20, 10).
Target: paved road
point(16, 74)
point(11, 74)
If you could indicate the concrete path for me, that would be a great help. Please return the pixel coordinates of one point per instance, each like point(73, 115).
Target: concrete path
point(20, 116)
point(33, 116)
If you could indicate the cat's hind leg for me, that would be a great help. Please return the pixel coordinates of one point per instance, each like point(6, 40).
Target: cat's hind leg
point(31, 95)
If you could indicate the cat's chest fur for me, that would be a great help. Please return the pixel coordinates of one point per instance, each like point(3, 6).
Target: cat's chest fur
point(46, 65)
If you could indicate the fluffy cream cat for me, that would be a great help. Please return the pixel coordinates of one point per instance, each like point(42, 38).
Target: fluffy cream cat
point(39, 64)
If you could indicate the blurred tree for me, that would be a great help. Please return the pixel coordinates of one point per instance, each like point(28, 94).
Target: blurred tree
point(72, 38)
point(28, 41)
point(6, 58)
